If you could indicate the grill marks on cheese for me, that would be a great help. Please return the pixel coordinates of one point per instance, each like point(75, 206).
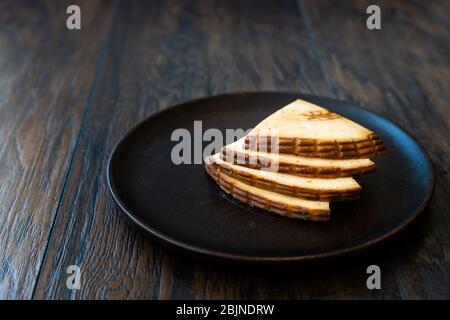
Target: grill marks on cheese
point(317, 152)
point(306, 129)
point(236, 153)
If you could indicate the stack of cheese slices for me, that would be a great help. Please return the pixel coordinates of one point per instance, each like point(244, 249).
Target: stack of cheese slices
point(296, 161)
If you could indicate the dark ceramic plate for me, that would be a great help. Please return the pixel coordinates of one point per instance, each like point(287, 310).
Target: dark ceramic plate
point(181, 205)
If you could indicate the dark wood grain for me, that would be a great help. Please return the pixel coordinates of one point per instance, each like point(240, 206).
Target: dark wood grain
point(181, 59)
point(46, 73)
point(401, 71)
point(67, 97)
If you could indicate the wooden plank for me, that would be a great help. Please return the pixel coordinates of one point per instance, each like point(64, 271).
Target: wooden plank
point(173, 52)
point(46, 72)
point(402, 72)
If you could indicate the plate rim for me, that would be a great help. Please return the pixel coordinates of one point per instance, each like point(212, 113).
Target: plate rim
point(165, 239)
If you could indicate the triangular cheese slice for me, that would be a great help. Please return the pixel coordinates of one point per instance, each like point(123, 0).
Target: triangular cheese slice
point(306, 129)
point(297, 186)
point(288, 163)
point(281, 204)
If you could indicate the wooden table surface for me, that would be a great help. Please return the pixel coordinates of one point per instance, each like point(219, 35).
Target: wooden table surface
point(66, 97)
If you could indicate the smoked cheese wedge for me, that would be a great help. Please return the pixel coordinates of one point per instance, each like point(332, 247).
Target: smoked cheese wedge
point(309, 130)
point(288, 163)
point(281, 204)
point(296, 186)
